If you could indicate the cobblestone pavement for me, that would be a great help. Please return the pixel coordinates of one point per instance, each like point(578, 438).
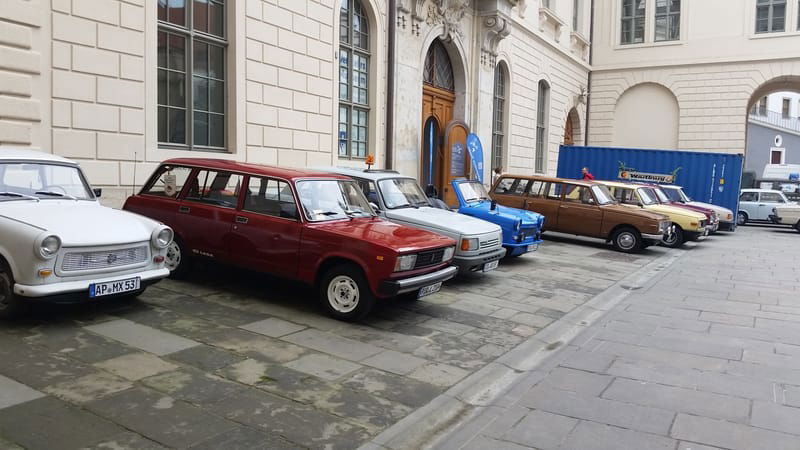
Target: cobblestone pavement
point(705, 356)
point(240, 360)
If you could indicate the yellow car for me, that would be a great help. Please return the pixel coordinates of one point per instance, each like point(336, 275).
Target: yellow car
point(688, 225)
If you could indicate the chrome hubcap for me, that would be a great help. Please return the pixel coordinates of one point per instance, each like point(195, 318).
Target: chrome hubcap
point(741, 218)
point(343, 294)
point(173, 258)
point(626, 241)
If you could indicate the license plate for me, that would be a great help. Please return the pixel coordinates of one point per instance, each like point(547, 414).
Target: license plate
point(490, 266)
point(533, 247)
point(428, 290)
point(114, 287)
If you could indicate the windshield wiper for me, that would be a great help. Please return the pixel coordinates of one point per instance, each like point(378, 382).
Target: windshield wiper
point(18, 195)
point(55, 194)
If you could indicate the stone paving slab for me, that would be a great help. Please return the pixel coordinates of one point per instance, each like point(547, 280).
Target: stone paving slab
point(142, 337)
point(13, 393)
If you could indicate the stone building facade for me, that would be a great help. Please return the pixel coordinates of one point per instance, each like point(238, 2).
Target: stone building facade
point(121, 85)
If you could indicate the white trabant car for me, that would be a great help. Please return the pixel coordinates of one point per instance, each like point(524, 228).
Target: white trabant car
point(787, 214)
point(400, 199)
point(57, 243)
point(757, 204)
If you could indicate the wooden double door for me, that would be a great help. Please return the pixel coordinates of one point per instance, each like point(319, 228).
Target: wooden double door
point(444, 143)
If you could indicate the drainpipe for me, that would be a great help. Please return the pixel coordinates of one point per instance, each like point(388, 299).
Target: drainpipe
point(390, 84)
point(589, 78)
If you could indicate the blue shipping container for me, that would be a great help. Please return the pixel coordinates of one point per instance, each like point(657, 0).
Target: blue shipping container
point(706, 177)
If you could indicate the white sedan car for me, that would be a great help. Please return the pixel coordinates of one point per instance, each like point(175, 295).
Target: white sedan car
point(788, 214)
point(57, 242)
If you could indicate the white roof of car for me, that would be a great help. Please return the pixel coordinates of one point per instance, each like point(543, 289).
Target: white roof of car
point(760, 190)
point(373, 175)
point(21, 154)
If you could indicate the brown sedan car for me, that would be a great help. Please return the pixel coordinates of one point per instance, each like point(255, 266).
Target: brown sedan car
point(582, 208)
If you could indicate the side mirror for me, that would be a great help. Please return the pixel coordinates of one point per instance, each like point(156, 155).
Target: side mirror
point(97, 192)
point(640, 205)
point(374, 206)
point(494, 205)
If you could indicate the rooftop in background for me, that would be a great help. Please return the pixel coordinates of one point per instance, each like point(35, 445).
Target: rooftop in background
point(776, 119)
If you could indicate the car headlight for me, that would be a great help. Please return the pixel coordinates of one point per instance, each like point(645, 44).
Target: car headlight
point(405, 262)
point(448, 253)
point(162, 237)
point(47, 246)
point(468, 244)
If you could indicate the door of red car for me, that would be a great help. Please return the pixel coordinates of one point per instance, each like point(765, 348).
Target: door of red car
point(267, 229)
point(206, 214)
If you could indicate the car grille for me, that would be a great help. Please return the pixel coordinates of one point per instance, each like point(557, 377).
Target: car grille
point(429, 258)
point(489, 243)
point(103, 259)
point(525, 233)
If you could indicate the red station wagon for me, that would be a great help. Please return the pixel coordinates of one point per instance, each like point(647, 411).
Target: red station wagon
point(309, 226)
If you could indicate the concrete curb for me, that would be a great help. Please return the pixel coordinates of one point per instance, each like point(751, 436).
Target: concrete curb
point(431, 424)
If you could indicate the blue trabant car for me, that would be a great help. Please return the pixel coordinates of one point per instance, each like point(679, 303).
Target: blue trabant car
point(522, 230)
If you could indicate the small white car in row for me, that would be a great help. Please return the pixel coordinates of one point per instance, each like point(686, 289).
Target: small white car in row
point(757, 204)
point(400, 199)
point(57, 243)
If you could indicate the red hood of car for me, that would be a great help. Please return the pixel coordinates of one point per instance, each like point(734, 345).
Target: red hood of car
point(400, 238)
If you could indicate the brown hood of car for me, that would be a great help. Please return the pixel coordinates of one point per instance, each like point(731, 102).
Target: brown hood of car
point(640, 212)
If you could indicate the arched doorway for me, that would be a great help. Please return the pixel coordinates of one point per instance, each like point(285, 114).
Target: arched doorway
point(572, 128)
point(444, 154)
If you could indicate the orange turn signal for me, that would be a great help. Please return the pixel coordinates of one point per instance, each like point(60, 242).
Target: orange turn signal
point(44, 273)
point(464, 244)
point(379, 258)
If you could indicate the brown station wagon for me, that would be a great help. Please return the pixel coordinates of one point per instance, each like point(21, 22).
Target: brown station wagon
point(582, 208)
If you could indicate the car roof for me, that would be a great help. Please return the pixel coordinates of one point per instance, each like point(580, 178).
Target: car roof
point(760, 190)
point(374, 175)
point(23, 154)
point(549, 179)
point(621, 184)
point(250, 168)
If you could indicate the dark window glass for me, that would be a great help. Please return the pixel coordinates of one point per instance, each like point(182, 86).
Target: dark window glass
point(498, 119)
point(542, 106)
point(354, 63)
point(668, 20)
point(191, 74)
point(633, 18)
point(270, 197)
point(167, 181)
point(535, 189)
point(770, 16)
point(438, 71)
point(217, 188)
point(749, 197)
point(505, 186)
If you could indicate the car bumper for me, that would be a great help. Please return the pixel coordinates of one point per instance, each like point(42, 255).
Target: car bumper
point(727, 226)
point(70, 288)
point(697, 235)
point(653, 237)
point(390, 288)
point(518, 248)
point(473, 263)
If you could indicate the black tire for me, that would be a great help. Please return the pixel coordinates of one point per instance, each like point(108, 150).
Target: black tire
point(797, 226)
point(627, 240)
point(178, 259)
point(676, 240)
point(741, 218)
point(10, 303)
point(345, 293)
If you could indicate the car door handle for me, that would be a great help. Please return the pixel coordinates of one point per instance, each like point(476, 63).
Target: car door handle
point(184, 209)
point(761, 204)
point(240, 219)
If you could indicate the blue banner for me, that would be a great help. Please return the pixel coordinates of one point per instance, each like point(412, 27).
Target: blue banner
point(476, 154)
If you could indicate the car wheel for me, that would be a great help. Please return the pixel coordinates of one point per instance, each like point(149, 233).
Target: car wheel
point(741, 218)
point(627, 240)
point(676, 239)
point(177, 259)
point(10, 304)
point(797, 226)
point(345, 293)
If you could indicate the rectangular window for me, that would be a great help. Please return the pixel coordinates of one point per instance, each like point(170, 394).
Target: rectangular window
point(787, 103)
point(167, 181)
point(546, 4)
point(191, 74)
point(535, 189)
point(632, 24)
point(770, 16)
point(542, 106)
point(554, 191)
point(354, 61)
point(216, 188)
point(776, 157)
point(749, 197)
point(762, 106)
point(505, 186)
point(498, 122)
point(576, 15)
point(668, 20)
point(270, 197)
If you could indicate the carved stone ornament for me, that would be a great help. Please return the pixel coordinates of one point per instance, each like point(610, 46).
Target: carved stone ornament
point(493, 30)
point(449, 13)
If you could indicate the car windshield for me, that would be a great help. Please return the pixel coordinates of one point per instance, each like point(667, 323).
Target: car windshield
point(603, 195)
point(473, 191)
point(402, 193)
point(673, 194)
point(41, 180)
point(332, 199)
point(647, 196)
point(660, 195)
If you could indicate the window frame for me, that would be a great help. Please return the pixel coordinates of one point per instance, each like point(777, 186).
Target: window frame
point(633, 20)
point(158, 173)
point(542, 116)
point(668, 15)
point(786, 108)
point(499, 97)
point(191, 34)
point(352, 106)
point(576, 20)
point(770, 5)
point(243, 202)
point(196, 173)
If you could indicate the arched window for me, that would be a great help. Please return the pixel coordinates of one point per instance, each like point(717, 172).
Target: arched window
point(542, 107)
point(353, 80)
point(438, 72)
point(498, 116)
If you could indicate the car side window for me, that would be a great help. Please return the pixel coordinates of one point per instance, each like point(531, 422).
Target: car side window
point(369, 190)
point(520, 187)
point(554, 191)
point(749, 197)
point(578, 194)
point(626, 196)
point(504, 186)
point(216, 188)
point(167, 181)
point(535, 189)
point(771, 197)
point(270, 197)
